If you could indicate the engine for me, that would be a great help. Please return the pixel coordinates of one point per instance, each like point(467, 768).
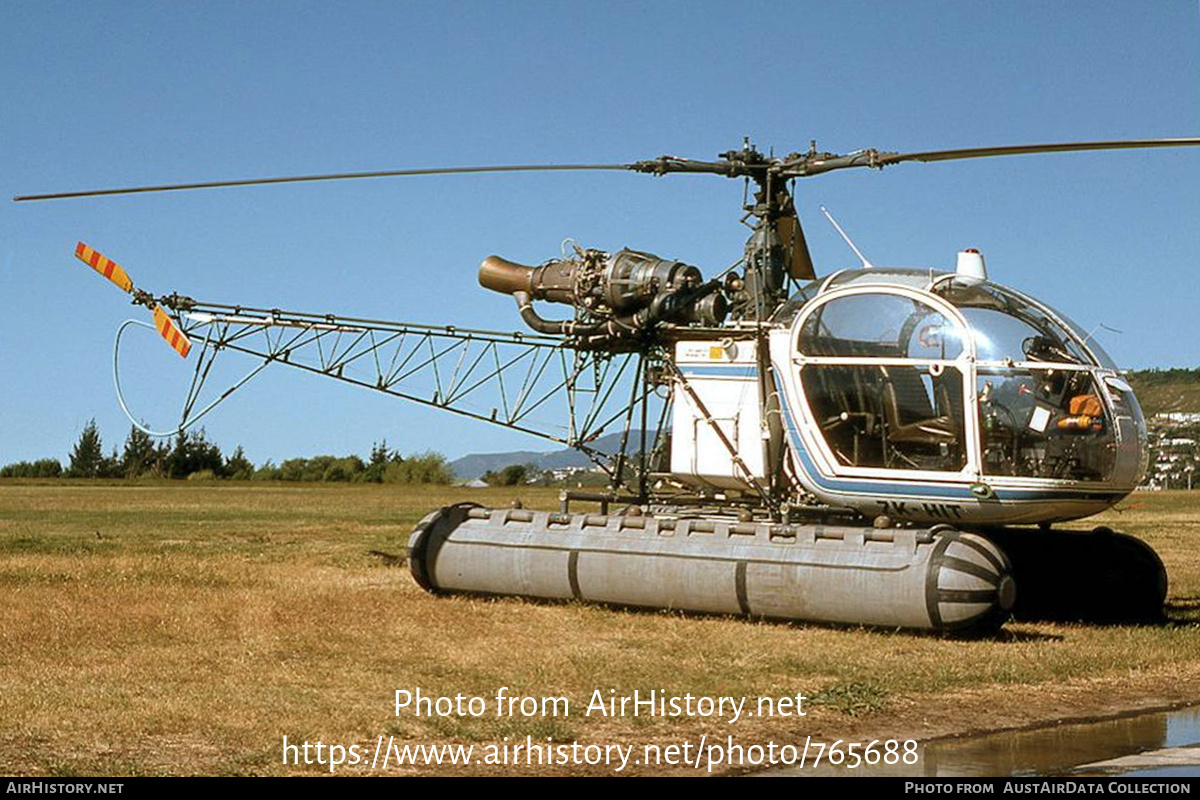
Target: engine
point(620, 296)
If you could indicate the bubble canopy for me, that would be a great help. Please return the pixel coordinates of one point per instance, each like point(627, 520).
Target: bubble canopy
point(1007, 325)
point(925, 371)
point(1002, 324)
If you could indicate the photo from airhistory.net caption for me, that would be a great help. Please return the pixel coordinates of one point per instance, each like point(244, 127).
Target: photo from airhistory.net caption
point(708, 755)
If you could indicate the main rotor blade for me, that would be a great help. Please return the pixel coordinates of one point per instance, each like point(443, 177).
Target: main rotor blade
point(1022, 149)
point(174, 187)
point(797, 165)
point(803, 165)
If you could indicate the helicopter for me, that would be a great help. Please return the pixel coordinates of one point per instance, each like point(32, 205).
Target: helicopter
point(850, 448)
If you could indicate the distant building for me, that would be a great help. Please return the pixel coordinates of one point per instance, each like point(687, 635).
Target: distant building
point(1178, 417)
point(1174, 453)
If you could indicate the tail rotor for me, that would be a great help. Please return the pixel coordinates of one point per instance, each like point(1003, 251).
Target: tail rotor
point(116, 274)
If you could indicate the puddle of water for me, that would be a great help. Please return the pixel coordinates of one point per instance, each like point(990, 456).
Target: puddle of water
point(1162, 772)
point(1046, 751)
point(1183, 727)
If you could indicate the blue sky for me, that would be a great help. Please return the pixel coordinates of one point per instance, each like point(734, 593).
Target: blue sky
point(104, 94)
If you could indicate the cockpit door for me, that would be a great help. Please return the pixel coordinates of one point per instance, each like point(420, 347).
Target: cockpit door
point(886, 379)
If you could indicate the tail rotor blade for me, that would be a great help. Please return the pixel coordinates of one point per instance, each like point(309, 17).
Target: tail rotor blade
point(118, 276)
point(105, 266)
point(173, 336)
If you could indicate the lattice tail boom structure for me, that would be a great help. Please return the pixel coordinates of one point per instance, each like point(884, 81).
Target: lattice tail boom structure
point(516, 380)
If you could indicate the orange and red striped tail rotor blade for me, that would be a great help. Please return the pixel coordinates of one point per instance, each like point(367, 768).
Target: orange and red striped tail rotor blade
point(104, 265)
point(179, 343)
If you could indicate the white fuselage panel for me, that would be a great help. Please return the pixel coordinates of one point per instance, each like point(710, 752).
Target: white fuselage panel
point(721, 419)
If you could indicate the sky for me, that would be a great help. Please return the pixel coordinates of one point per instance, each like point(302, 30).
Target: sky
point(104, 94)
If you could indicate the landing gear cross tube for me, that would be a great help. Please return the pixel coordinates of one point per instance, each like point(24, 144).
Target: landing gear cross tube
point(930, 579)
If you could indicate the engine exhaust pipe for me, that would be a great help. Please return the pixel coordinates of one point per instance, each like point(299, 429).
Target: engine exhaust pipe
point(506, 277)
point(553, 281)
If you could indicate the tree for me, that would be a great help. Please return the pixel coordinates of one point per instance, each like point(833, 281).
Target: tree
point(292, 469)
point(380, 454)
point(42, 468)
point(316, 468)
point(88, 455)
point(349, 468)
point(110, 466)
point(194, 453)
point(512, 475)
point(139, 455)
point(267, 472)
point(237, 466)
point(377, 465)
point(421, 468)
point(162, 456)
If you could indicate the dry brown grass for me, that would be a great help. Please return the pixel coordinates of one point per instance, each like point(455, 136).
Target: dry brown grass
point(187, 628)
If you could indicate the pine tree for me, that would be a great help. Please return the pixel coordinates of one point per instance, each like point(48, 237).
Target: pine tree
point(238, 467)
point(110, 466)
point(381, 456)
point(139, 454)
point(194, 453)
point(88, 455)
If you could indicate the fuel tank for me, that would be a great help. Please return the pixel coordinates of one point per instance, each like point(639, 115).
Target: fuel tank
point(934, 578)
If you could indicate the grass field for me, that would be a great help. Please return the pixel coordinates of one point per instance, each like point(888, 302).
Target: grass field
point(184, 628)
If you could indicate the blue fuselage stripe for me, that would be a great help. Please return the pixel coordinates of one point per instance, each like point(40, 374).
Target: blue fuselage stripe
point(719, 371)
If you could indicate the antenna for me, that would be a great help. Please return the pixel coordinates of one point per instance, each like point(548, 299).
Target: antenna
point(866, 264)
point(1097, 327)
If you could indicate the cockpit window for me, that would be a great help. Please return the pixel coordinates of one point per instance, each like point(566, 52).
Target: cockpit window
point(788, 311)
point(902, 410)
point(1089, 341)
point(889, 416)
point(894, 276)
point(1007, 327)
point(1044, 423)
point(880, 326)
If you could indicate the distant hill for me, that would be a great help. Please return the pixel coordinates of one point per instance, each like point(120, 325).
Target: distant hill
point(473, 466)
point(1160, 390)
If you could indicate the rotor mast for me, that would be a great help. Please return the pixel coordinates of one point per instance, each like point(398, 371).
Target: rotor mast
point(776, 249)
point(770, 245)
